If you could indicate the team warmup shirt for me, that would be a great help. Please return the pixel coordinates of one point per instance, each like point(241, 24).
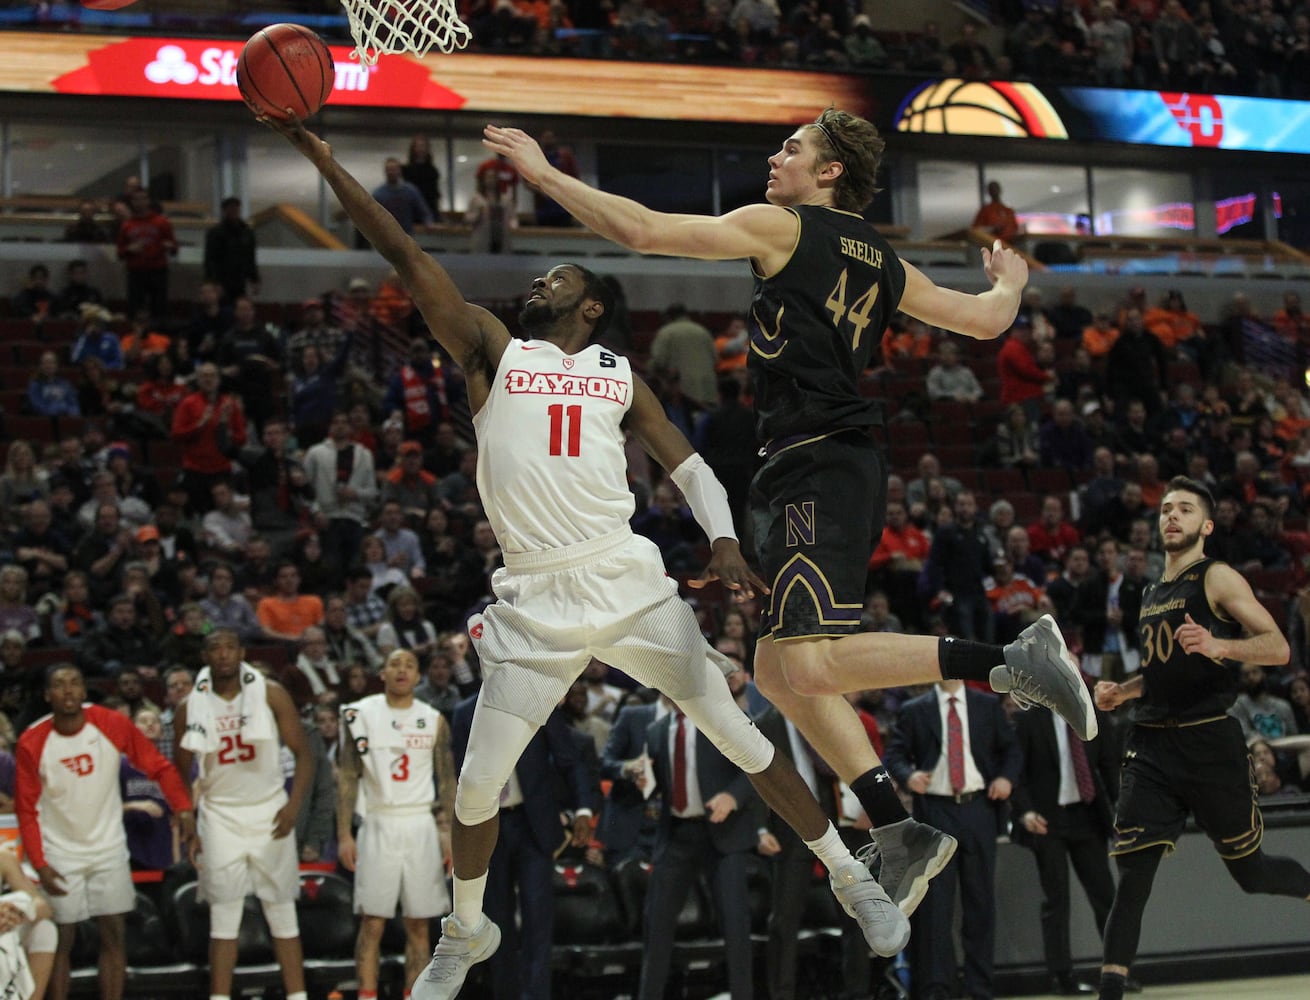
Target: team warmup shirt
point(240, 772)
point(68, 800)
point(550, 478)
point(398, 771)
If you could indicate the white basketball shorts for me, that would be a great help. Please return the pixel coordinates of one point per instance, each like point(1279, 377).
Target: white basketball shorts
point(400, 863)
point(609, 599)
point(239, 856)
point(95, 888)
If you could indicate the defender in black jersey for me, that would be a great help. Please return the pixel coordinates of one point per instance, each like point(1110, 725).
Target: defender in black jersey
point(826, 284)
point(1184, 752)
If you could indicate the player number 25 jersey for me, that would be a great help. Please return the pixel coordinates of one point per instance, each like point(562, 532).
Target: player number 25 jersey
point(551, 465)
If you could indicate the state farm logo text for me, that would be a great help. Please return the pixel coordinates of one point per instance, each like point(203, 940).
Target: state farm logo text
point(217, 67)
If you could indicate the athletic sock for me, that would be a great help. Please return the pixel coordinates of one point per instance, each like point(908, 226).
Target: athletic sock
point(966, 660)
point(830, 850)
point(219, 996)
point(1112, 986)
point(298, 995)
point(367, 995)
point(468, 900)
point(877, 793)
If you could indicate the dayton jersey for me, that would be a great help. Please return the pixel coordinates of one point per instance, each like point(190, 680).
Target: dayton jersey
point(815, 325)
point(398, 770)
point(240, 772)
point(551, 463)
point(1176, 684)
point(68, 799)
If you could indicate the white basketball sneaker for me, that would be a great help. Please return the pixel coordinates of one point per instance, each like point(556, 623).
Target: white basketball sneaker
point(458, 951)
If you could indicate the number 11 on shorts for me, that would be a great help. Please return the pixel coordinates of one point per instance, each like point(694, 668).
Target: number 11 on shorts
point(559, 415)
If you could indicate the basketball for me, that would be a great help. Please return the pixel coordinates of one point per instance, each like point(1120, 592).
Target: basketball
point(285, 66)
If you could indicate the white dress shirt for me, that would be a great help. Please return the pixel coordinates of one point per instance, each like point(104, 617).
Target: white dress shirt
point(940, 783)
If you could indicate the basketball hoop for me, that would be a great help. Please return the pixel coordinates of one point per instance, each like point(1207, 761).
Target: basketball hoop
point(397, 27)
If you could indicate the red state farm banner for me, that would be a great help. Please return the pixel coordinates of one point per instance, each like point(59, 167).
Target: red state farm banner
point(205, 69)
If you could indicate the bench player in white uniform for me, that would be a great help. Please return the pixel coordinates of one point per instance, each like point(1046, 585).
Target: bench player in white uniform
point(398, 746)
point(550, 416)
point(230, 726)
point(70, 818)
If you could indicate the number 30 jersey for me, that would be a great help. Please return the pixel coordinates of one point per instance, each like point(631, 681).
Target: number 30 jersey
point(1179, 685)
point(816, 325)
point(551, 464)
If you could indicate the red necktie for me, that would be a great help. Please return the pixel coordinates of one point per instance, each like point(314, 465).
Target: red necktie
point(1082, 770)
point(955, 747)
point(680, 767)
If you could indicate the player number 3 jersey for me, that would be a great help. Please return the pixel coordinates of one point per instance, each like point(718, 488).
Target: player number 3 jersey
point(551, 463)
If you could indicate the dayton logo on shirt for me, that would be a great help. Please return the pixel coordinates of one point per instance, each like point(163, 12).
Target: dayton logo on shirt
point(558, 384)
point(81, 765)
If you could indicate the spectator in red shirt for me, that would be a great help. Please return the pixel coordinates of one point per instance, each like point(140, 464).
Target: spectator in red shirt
point(1023, 380)
point(210, 426)
point(1051, 537)
point(145, 242)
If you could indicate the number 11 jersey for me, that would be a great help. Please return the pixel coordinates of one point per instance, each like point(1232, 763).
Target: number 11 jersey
point(552, 470)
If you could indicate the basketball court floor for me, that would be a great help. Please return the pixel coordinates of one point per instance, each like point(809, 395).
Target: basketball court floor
point(1270, 988)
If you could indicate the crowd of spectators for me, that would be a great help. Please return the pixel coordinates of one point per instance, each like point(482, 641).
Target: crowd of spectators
point(1219, 46)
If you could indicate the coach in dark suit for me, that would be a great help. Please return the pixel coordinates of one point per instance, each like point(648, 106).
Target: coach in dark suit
point(1064, 811)
point(620, 762)
point(793, 872)
point(551, 777)
point(956, 751)
point(709, 824)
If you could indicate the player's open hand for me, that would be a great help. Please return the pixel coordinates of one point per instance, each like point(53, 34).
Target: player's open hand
point(51, 881)
point(1002, 264)
point(347, 853)
point(728, 566)
point(581, 831)
point(720, 807)
point(284, 822)
point(185, 822)
point(1196, 638)
point(520, 149)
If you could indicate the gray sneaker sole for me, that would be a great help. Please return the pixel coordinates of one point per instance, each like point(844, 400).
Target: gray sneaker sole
point(918, 885)
point(1087, 727)
point(489, 947)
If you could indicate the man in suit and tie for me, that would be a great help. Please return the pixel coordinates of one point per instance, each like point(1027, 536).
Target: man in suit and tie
point(623, 762)
point(551, 777)
point(710, 820)
point(955, 750)
point(1063, 806)
point(793, 869)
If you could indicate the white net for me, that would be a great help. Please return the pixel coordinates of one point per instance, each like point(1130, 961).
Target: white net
point(395, 27)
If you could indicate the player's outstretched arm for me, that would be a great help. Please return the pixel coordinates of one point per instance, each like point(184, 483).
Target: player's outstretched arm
point(705, 494)
point(764, 232)
point(984, 316)
point(1263, 643)
point(462, 329)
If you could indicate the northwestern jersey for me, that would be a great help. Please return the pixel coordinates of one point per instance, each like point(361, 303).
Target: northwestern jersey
point(551, 464)
point(240, 772)
point(1176, 684)
point(815, 325)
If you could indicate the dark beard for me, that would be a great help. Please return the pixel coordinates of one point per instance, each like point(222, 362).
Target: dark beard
point(540, 316)
point(1184, 543)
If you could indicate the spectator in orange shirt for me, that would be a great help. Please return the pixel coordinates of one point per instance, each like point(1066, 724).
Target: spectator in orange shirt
point(287, 613)
point(905, 339)
point(897, 560)
point(141, 342)
point(1173, 324)
point(1100, 336)
point(997, 218)
point(1148, 477)
point(1017, 602)
point(1290, 321)
point(731, 346)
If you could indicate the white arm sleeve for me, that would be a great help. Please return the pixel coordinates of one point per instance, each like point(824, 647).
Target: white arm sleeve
point(706, 497)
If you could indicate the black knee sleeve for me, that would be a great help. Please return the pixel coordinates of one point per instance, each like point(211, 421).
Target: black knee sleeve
point(1123, 929)
point(1260, 872)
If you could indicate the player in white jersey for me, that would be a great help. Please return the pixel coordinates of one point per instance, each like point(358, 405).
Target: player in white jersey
point(550, 416)
point(230, 727)
point(70, 817)
point(393, 746)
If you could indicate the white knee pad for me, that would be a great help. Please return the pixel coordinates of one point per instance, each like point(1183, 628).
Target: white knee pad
point(728, 727)
point(496, 742)
point(39, 938)
point(282, 920)
point(225, 920)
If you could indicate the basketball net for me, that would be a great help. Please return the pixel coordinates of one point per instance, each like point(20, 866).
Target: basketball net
point(396, 27)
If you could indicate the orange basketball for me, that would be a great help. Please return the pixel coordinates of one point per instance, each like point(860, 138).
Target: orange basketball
point(285, 66)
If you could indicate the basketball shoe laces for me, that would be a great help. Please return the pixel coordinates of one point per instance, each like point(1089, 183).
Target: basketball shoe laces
point(448, 957)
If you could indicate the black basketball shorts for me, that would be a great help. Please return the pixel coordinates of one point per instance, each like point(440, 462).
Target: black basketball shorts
point(1203, 769)
point(817, 508)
